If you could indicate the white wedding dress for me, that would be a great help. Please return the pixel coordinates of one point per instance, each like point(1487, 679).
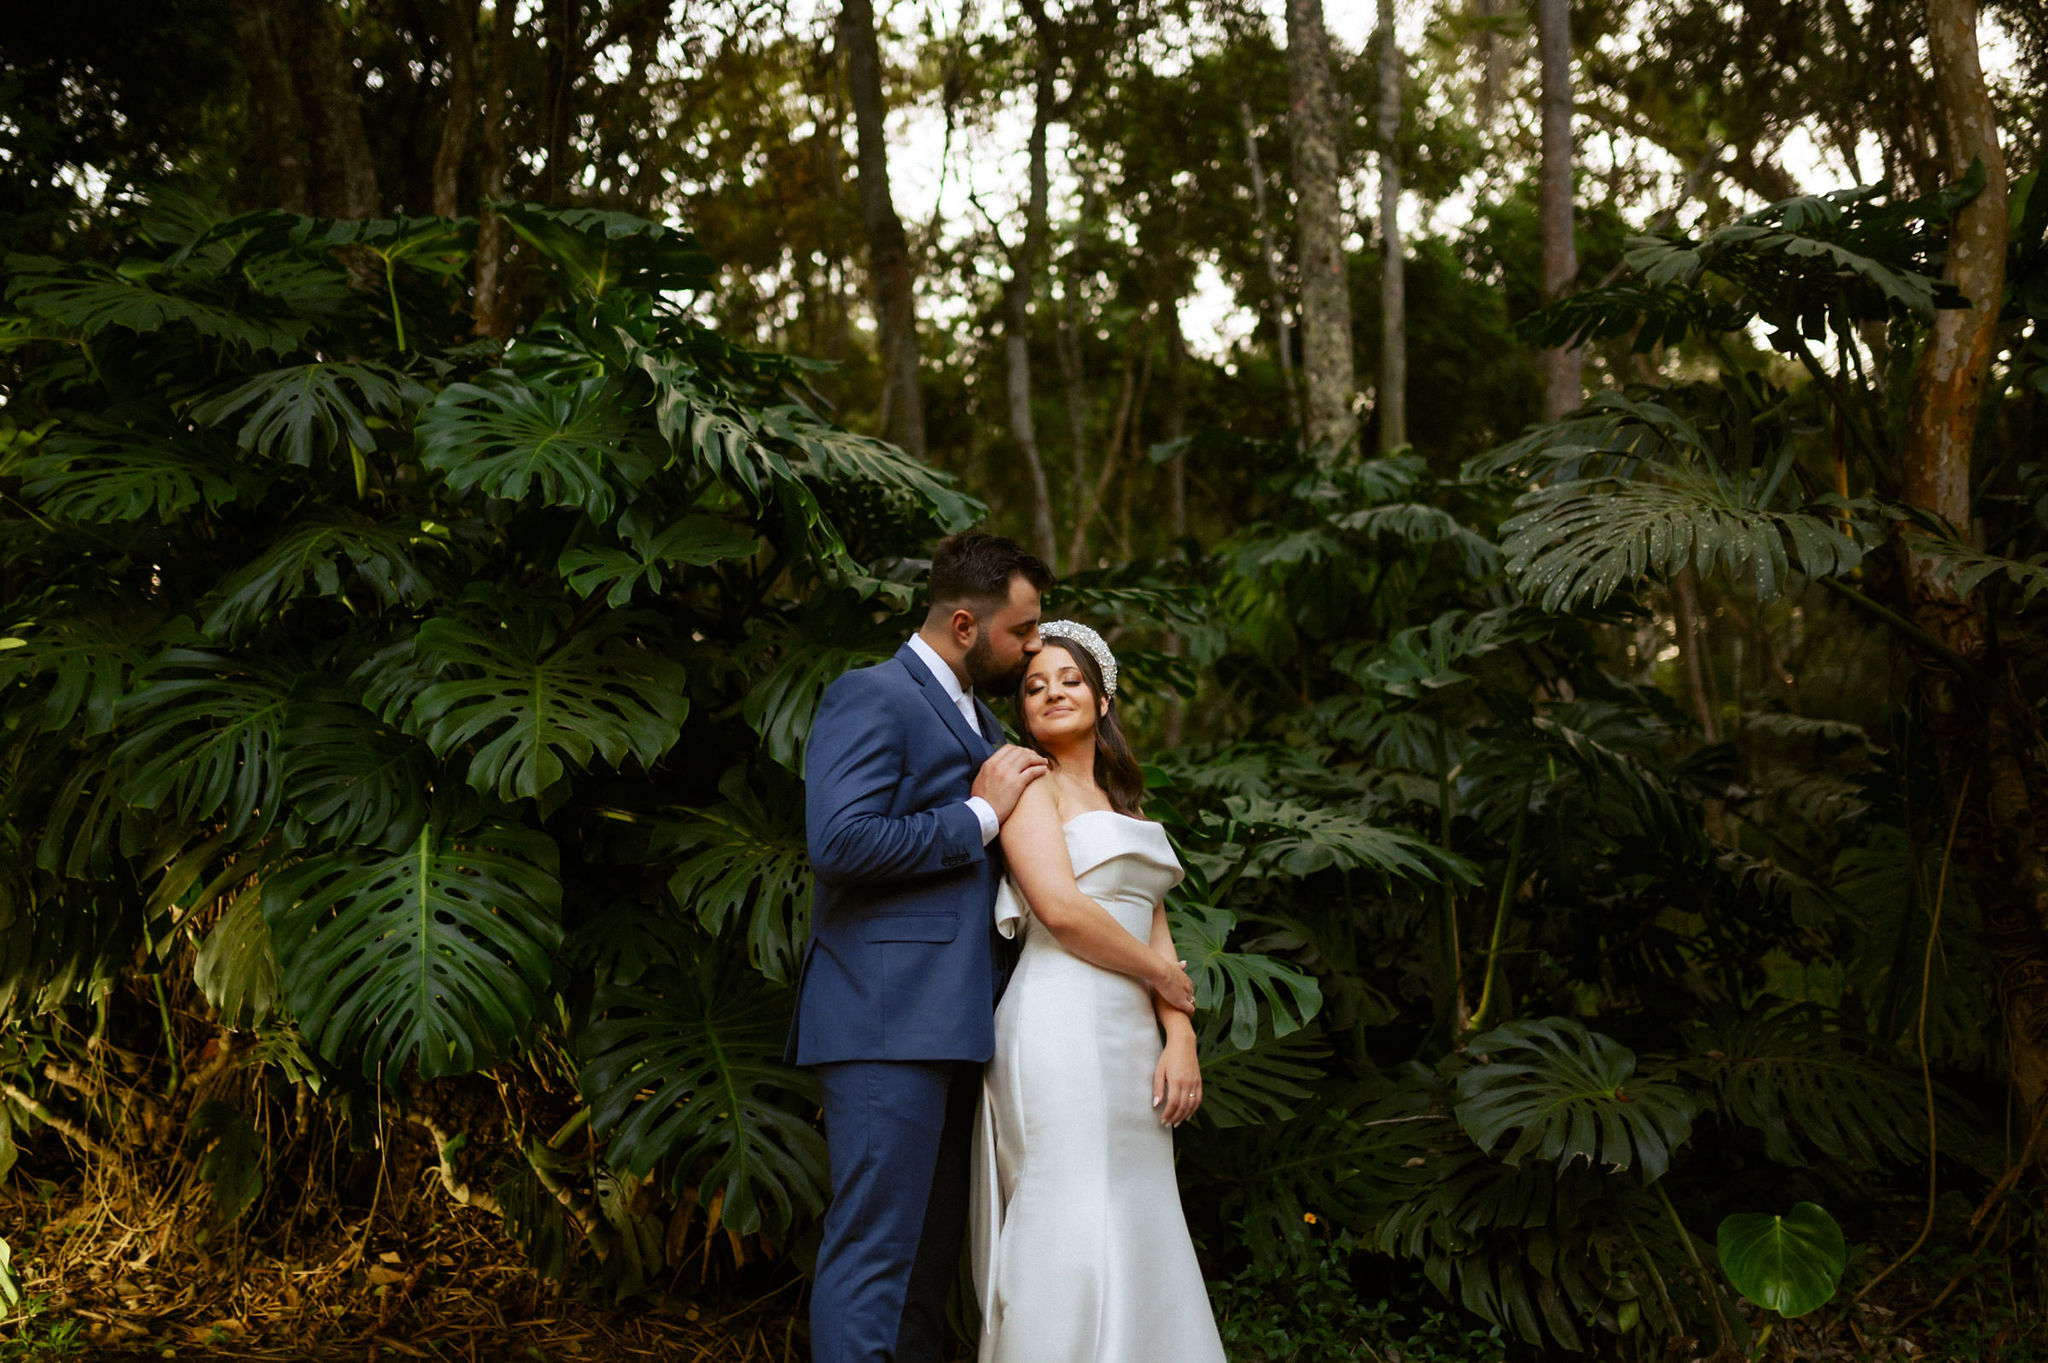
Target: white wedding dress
point(1080, 1248)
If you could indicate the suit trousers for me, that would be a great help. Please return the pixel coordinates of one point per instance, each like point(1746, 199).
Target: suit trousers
point(898, 1133)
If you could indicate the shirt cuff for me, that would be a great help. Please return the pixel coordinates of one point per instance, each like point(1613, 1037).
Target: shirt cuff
point(986, 812)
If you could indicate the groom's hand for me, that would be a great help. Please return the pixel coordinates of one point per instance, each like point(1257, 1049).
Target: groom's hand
point(1003, 777)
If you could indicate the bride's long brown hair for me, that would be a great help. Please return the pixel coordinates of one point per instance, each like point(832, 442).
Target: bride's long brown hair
point(1116, 769)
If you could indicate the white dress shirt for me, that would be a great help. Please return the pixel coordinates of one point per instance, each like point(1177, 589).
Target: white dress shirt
point(963, 700)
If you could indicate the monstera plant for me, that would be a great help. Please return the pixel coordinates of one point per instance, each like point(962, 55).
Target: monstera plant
point(439, 701)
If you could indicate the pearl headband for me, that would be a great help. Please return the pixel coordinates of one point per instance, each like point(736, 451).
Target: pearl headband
point(1088, 639)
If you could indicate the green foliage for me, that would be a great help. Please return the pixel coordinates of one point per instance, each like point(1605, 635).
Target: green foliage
point(230, 1157)
point(706, 1056)
point(1790, 1264)
point(529, 700)
point(1566, 1094)
point(439, 954)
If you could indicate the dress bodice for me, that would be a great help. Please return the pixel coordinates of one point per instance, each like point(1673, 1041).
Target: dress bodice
point(1125, 864)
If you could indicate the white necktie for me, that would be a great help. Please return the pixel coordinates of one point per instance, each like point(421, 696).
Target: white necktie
point(967, 709)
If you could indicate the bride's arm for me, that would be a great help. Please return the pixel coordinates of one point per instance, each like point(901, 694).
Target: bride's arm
point(1036, 850)
point(1177, 1078)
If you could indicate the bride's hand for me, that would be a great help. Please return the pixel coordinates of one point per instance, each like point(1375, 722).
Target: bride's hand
point(1172, 984)
point(1177, 1079)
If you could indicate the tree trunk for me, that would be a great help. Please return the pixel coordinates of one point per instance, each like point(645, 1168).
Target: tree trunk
point(1319, 222)
point(1074, 383)
point(461, 108)
point(1562, 390)
point(272, 112)
point(562, 22)
point(1392, 403)
point(888, 249)
point(1985, 732)
point(493, 307)
point(1175, 717)
point(1269, 255)
point(1017, 297)
point(344, 179)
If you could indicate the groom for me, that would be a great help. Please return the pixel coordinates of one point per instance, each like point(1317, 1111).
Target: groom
point(907, 783)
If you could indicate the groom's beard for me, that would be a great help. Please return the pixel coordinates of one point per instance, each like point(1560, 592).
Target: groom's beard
point(981, 668)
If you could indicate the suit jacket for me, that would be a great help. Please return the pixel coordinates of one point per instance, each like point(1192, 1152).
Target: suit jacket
point(904, 961)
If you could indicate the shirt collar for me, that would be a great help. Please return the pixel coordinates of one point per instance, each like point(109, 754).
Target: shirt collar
point(938, 668)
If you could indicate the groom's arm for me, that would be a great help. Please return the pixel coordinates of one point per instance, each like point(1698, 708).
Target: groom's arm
point(853, 765)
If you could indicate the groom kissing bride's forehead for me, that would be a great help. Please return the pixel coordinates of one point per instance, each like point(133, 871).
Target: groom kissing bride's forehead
point(908, 781)
point(985, 594)
point(926, 1001)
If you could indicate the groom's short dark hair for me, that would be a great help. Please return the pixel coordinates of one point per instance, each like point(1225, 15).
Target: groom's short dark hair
point(974, 568)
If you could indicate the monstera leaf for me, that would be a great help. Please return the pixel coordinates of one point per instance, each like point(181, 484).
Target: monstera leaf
point(1257, 986)
point(841, 456)
point(93, 298)
point(600, 251)
point(236, 968)
point(1289, 839)
point(351, 779)
point(1552, 1089)
point(1790, 1264)
point(325, 558)
point(91, 476)
point(747, 860)
point(536, 704)
point(689, 1073)
point(570, 446)
point(693, 540)
point(1264, 1084)
point(85, 656)
point(1580, 541)
point(203, 737)
point(301, 412)
point(440, 953)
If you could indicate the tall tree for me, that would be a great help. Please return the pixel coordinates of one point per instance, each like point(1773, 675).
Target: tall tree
point(344, 179)
point(1319, 224)
point(1022, 283)
point(1984, 726)
point(492, 304)
point(1392, 407)
point(274, 117)
point(461, 107)
point(1269, 257)
point(889, 268)
point(1561, 364)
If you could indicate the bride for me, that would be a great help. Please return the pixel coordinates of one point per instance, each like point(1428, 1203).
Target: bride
point(1081, 1251)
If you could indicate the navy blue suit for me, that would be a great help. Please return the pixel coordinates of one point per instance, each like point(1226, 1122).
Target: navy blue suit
point(896, 1003)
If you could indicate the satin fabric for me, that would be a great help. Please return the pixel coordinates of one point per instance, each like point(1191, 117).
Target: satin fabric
point(1080, 1248)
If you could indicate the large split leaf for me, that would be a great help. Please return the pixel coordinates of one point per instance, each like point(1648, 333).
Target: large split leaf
point(569, 446)
point(688, 1071)
point(140, 297)
point(746, 861)
point(203, 733)
point(236, 967)
point(1290, 839)
point(1552, 1089)
point(92, 476)
point(1259, 988)
point(301, 412)
point(324, 558)
point(691, 541)
point(600, 251)
point(439, 953)
point(535, 704)
point(351, 779)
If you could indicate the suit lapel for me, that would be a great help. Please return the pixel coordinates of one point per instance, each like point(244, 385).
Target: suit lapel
point(977, 747)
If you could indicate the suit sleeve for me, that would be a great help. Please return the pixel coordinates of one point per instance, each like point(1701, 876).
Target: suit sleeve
point(854, 763)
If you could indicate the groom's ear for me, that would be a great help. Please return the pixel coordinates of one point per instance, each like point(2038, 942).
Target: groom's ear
point(962, 625)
